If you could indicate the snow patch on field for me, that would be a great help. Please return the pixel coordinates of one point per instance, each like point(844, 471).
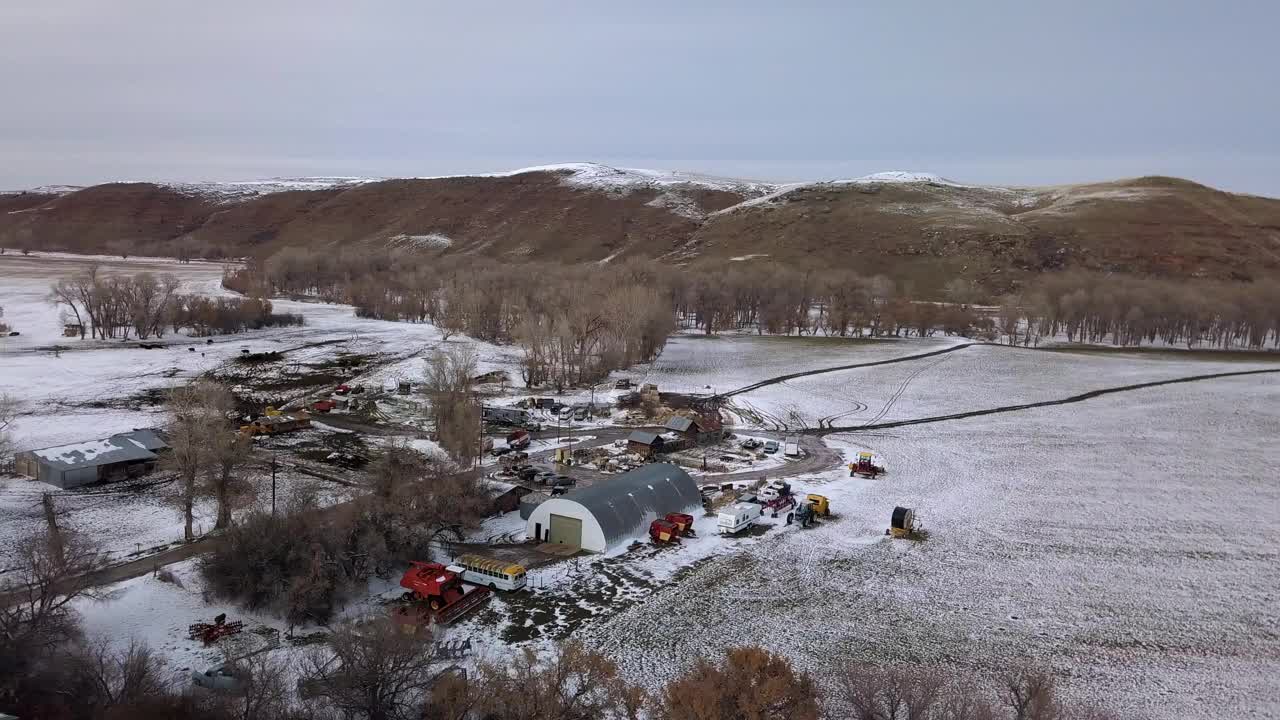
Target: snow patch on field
point(430, 241)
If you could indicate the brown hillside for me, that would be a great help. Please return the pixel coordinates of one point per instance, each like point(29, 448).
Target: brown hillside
point(1147, 226)
point(929, 230)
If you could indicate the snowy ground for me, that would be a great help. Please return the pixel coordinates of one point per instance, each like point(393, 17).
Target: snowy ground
point(1128, 542)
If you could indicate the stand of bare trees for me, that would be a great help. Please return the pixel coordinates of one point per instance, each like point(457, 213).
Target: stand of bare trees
point(303, 563)
point(110, 306)
point(204, 450)
point(1130, 311)
point(453, 406)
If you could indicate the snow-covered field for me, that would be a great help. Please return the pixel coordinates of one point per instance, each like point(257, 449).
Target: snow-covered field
point(702, 364)
point(973, 378)
point(1129, 542)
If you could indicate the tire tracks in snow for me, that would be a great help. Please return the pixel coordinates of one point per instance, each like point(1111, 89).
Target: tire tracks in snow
point(854, 366)
point(1029, 406)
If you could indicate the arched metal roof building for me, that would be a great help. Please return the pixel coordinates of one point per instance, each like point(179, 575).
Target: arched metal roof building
point(615, 510)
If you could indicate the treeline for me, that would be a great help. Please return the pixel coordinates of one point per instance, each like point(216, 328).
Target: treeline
point(113, 306)
point(780, 300)
point(1127, 311)
point(575, 324)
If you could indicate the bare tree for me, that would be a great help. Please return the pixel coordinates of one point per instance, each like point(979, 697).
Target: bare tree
point(371, 671)
point(229, 453)
point(103, 678)
point(9, 407)
point(1031, 695)
point(197, 419)
point(266, 693)
point(573, 683)
point(750, 683)
point(35, 600)
point(449, 377)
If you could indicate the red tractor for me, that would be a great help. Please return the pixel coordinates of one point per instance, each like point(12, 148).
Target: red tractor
point(438, 595)
point(323, 406)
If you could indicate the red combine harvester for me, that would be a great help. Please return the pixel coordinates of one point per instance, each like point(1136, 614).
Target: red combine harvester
point(438, 595)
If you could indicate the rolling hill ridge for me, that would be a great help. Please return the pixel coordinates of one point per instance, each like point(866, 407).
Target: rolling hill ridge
point(898, 223)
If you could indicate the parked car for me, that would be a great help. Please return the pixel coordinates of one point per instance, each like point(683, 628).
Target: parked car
point(502, 450)
point(771, 447)
point(750, 444)
point(566, 413)
point(542, 477)
point(563, 480)
point(222, 678)
point(580, 414)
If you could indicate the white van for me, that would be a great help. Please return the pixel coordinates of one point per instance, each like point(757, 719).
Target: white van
point(737, 518)
point(792, 447)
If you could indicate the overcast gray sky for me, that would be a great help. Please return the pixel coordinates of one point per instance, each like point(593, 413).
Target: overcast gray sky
point(983, 91)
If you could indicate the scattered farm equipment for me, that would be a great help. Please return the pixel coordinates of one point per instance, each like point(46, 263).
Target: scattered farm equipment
point(683, 522)
point(776, 496)
point(902, 523)
point(671, 528)
point(813, 507)
point(438, 595)
point(210, 633)
point(865, 466)
point(276, 422)
point(342, 390)
point(820, 504)
point(661, 531)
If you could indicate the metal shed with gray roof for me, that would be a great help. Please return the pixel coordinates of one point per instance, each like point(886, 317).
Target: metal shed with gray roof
point(614, 510)
point(67, 466)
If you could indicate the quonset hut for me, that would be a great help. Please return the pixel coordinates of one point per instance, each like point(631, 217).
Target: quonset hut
point(615, 510)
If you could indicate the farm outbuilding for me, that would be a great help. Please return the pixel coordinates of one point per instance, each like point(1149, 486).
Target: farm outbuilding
point(118, 456)
point(616, 510)
point(644, 444)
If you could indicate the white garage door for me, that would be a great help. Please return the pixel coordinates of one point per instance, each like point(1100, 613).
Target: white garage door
point(565, 530)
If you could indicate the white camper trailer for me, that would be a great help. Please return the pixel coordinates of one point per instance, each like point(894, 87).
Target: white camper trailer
point(736, 518)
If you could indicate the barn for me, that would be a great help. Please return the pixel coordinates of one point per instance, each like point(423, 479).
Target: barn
point(644, 444)
point(616, 510)
point(115, 457)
